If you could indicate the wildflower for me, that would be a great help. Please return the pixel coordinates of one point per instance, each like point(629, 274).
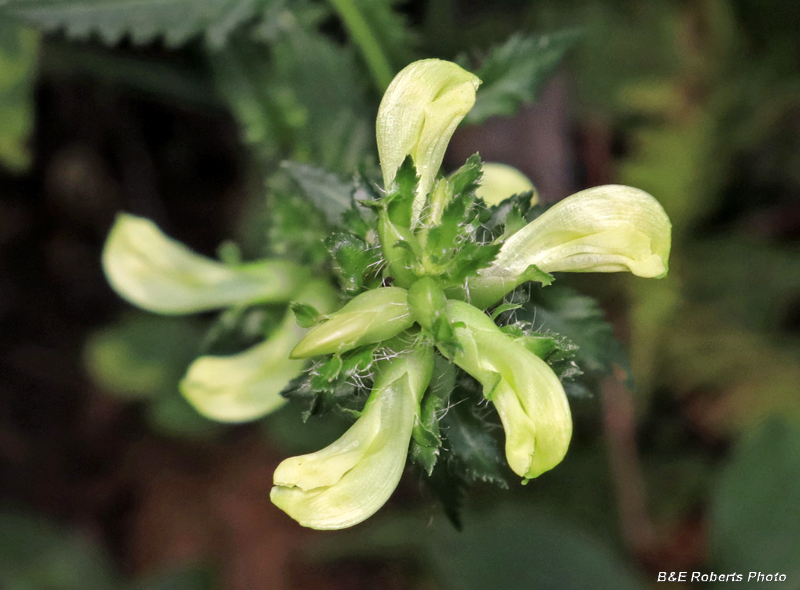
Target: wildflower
point(348, 481)
point(527, 393)
point(418, 114)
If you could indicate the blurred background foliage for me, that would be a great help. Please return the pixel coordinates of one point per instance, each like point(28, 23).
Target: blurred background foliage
point(179, 110)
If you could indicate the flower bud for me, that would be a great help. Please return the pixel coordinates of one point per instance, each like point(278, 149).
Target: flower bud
point(348, 481)
point(248, 385)
point(426, 300)
point(418, 114)
point(526, 392)
point(370, 317)
point(162, 275)
point(500, 181)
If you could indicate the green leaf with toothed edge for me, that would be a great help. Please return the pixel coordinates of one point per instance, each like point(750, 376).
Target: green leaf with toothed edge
point(326, 190)
point(354, 261)
point(142, 21)
point(306, 315)
point(471, 443)
point(514, 73)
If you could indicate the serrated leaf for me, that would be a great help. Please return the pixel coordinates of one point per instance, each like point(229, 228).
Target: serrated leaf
point(452, 229)
point(142, 21)
point(472, 444)
point(334, 121)
point(426, 440)
point(296, 228)
point(19, 51)
point(467, 178)
point(449, 488)
point(353, 260)
point(578, 317)
point(325, 189)
point(400, 200)
point(306, 315)
point(471, 258)
point(514, 73)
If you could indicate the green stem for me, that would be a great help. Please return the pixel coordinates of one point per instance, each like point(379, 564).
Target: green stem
point(366, 41)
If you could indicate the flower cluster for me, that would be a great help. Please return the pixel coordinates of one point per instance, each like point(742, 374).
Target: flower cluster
point(446, 249)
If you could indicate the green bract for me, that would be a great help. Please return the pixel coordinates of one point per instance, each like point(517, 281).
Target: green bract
point(418, 114)
point(348, 481)
point(449, 256)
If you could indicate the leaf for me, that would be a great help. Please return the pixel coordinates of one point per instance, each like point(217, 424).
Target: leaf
point(426, 440)
point(399, 202)
point(519, 547)
point(142, 21)
point(471, 258)
point(296, 228)
point(142, 355)
point(564, 311)
point(328, 193)
point(353, 260)
point(755, 510)
point(36, 554)
point(450, 489)
point(19, 51)
point(471, 443)
point(306, 315)
point(320, 83)
point(514, 73)
point(466, 179)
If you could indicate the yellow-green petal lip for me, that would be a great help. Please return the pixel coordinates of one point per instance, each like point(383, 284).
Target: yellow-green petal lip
point(417, 117)
point(159, 274)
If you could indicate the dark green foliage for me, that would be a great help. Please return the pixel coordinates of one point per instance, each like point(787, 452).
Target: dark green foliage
point(514, 73)
point(324, 189)
point(470, 440)
point(176, 21)
point(578, 317)
point(354, 261)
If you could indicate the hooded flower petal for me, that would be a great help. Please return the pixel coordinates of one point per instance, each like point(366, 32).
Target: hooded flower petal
point(603, 229)
point(370, 317)
point(500, 181)
point(418, 114)
point(526, 392)
point(162, 275)
point(247, 386)
point(348, 481)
